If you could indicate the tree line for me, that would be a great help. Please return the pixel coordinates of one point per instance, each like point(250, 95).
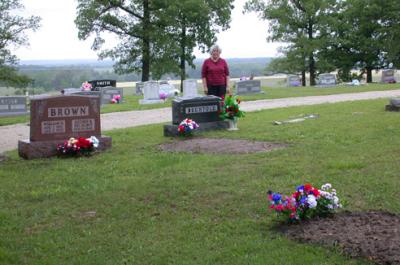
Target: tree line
point(327, 35)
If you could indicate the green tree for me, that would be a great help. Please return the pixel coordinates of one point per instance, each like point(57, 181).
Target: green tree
point(136, 24)
point(12, 33)
point(360, 39)
point(304, 24)
point(194, 23)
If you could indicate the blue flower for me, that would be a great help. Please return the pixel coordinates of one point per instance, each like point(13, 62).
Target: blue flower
point(276, 197)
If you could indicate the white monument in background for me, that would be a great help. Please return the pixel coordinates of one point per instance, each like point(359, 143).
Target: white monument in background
point(151, 93)
point(190, 88)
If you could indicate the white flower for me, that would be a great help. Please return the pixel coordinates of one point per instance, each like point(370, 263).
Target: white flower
point(312, 202)
point(326, 186)
point(94, 141)
point(335, 200)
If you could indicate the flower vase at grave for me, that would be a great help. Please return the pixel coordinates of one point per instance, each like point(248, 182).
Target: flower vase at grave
point(233, 124)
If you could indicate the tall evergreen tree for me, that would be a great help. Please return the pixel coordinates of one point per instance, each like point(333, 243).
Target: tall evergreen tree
point(12, 33)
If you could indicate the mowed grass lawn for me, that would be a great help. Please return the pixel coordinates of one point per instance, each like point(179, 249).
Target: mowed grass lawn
point(135, 204)
point(131, 102)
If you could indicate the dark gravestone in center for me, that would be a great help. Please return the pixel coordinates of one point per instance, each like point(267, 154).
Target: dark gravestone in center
point(203, 110)
point(56, 119)
point(96, 84)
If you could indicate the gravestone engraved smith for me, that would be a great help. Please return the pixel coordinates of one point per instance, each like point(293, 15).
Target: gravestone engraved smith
point(96, 84)
point(56, 119)
point(203, 110)
point(12, 106)
point(248, 87)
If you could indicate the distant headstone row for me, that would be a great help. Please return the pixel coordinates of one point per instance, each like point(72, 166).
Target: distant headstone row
point(155, 92)
point(106, 94)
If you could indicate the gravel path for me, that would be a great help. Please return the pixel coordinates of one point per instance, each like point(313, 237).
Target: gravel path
point(12, 133)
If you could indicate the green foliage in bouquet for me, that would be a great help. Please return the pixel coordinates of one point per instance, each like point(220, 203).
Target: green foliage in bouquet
point(230, 108)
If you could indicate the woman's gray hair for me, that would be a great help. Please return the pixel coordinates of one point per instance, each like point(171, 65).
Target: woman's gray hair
point(215, 47)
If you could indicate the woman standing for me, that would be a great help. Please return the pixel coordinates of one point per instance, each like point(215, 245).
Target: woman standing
point(215, 74)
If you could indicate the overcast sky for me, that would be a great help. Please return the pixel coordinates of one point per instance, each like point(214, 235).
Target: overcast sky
point(57, 37)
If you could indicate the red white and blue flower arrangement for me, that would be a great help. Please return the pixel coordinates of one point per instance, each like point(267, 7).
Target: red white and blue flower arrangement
point(76, 147)
point(306, 202)
point(186, 127)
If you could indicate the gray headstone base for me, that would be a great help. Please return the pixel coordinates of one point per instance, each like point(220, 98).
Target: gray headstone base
point(43, 149)
point(172, 129)
point(150, 101)
point(392, 108)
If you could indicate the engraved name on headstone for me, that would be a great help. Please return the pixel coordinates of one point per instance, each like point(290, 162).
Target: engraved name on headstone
point(62, 117)
point(200, 109)
point(97, 84)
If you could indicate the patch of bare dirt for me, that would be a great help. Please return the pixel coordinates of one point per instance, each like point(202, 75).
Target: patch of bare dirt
point(219, 146)
point(371, 235)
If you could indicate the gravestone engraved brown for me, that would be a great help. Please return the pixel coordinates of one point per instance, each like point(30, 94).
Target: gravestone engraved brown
point(56, 119)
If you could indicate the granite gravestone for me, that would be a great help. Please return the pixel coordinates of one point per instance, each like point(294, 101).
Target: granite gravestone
point(56, 119)
point(151, 93)
point(70, 91)
point(97, 84)
point(248, 87)
point(203, 110)
point(326, 80)
point(11, 106)
point(168, 89)
point(394, 105)
point(139, 88)
point(190, 88)
point(388, 76)
point(293, 80)
point(108, 93)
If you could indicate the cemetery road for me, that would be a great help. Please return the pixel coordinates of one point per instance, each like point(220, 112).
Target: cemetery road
point(12, 133)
